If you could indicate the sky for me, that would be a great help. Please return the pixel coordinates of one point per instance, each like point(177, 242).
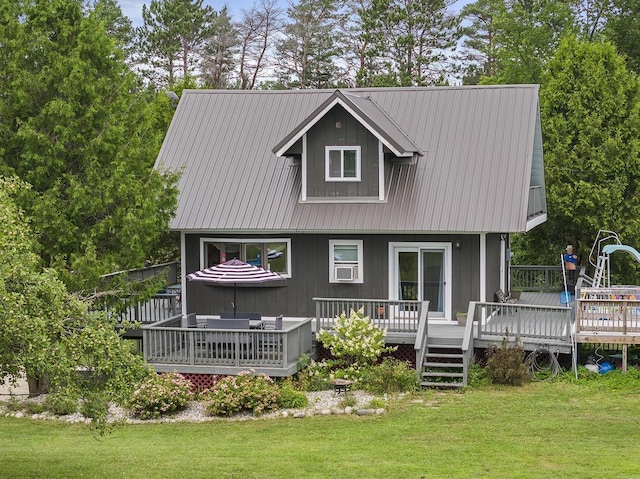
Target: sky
point(133, 8)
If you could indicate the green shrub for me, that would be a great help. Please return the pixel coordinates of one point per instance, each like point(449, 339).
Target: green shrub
point(505, 364)
point(246, 391)
point(96, 407)
point(476, 375)
point(292, 399)
point(160, 394)
point(61, 403)
point(34, 407)
point(390, 376)
point(355, 339)
point(314, 375)
point(376, 403)
point(348, 401)
point(14, 404)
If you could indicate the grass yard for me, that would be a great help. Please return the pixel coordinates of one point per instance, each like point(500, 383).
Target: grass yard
point(543, 430)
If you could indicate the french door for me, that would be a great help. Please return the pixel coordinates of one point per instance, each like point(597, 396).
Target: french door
point(422, 272)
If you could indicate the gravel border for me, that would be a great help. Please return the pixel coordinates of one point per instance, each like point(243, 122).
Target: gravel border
point(320, 403)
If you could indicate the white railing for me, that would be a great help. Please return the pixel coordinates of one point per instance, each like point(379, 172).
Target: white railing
point(608, 310)
point(395, 316)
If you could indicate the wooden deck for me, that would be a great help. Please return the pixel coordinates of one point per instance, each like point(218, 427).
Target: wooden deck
point(169, 347)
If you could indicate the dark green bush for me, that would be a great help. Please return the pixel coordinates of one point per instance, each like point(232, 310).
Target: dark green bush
point(390, 376)
point(505, 364)
point(292, 399)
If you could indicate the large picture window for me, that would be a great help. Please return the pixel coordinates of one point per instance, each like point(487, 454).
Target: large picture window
point(342, 163)
point(272, 254)
point(345, 261)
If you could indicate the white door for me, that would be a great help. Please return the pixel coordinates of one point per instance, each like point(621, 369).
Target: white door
point(422, 272)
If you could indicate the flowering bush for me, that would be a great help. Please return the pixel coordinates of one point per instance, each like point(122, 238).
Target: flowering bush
point(232, 394)
point(355, 339)
point(160, 394)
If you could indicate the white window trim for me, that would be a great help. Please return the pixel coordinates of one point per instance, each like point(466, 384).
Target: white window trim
point(203, 241)
point(446, 248)
point(332, 244)
point(342, 149)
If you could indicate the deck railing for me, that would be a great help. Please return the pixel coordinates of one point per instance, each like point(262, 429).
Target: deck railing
point(395, 316)
point(544, 279)
point(159, 308)
point(608, 310)
point(545, 324)
point(165, 343)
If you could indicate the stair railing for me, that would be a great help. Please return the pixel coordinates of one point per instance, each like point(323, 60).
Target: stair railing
point(422, 336)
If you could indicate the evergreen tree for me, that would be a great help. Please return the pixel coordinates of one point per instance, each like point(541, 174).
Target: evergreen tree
point(590, 110)
point(412, 39)
point(173, 35)
point(76, 127)
point(219, 52)
point(311, 45)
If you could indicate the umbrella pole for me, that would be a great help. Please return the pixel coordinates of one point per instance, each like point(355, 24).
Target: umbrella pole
point(235, 285)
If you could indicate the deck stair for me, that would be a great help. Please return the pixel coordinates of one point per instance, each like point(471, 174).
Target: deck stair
point(443, 364)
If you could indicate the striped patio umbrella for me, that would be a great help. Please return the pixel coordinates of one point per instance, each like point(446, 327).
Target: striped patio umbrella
point(233, 272)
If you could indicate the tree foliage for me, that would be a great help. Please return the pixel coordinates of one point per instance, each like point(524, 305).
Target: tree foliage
point(410, 40)
point(173, 35)
point(47, 333)
point(590, 111)
point(76, 126)
point(623, 29)
point(311, 44)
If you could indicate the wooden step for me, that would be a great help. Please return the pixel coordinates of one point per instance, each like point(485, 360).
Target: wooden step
point(445, 355)
point(442, 365)
point(441, 374)
point(431, 384)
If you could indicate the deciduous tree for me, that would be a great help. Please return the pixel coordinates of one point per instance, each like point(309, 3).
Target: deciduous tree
point(45, 332)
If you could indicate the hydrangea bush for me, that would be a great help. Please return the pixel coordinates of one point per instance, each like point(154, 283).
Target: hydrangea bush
point(354, 341)
point(161, 394)
point(246, 391)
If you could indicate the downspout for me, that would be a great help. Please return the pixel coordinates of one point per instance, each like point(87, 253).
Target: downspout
point(183, 276)
point(483, 267)
point(503, 260)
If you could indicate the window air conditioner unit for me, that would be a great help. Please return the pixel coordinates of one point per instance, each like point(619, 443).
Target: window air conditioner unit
point(345, 272)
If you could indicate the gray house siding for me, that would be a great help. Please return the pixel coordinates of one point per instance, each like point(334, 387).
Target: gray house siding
point(310, 274)
point(493, 265)
point(350, 133)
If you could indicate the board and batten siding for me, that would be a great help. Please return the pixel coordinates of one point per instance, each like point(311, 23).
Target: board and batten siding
point(310, 274)
point(350, 133)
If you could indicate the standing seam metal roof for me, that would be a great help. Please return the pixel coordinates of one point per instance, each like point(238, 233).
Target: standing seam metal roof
point(474, 176)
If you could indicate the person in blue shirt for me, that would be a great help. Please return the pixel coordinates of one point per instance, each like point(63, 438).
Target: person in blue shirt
point(571, 264)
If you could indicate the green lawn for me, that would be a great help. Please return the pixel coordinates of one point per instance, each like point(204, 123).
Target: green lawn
point(543, 430)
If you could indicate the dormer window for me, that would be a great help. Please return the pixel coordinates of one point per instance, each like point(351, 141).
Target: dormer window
point(342, 163)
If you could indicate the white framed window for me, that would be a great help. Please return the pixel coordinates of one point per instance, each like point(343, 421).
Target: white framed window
point(345, 261)
point(273, 254)
point(342, 163)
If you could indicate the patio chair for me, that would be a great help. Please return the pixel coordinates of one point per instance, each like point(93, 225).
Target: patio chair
point(276, 325)
point(224, 344)
point(192, 321)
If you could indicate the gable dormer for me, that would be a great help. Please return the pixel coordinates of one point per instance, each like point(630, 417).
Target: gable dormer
point(345, 147)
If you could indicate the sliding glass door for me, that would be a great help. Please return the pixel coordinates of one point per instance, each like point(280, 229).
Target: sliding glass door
point(421, 272)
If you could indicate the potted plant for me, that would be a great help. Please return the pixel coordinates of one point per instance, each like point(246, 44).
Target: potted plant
point(461, 316)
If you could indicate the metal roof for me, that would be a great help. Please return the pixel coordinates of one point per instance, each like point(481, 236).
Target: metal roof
point(367, 112)
point(474, 176)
